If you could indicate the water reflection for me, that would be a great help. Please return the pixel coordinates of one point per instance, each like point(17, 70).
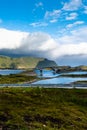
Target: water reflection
point(46, 73)
point(58, 80)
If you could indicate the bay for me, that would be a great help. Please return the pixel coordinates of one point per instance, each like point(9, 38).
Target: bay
point(10, 71)
point(55, 79)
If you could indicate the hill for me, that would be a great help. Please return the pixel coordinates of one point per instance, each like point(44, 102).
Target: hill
point(82, 67)
point(46, 64)
point(19, 63)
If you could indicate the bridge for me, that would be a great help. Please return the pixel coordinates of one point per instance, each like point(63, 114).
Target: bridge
point(46, 64)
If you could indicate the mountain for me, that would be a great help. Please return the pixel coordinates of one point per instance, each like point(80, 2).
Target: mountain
point(46, 64)
point(72, 60)
point(21, 62)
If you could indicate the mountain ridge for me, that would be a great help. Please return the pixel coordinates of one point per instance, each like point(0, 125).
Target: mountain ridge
point(7, 62)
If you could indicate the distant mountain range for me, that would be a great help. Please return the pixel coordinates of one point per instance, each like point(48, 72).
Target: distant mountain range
point(23, 62)
point(72, 60)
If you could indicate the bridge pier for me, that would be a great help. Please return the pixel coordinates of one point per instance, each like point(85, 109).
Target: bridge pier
point(41, 72)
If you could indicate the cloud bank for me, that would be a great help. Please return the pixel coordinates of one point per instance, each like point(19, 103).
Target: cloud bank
point(10, 39)
point(42, 44)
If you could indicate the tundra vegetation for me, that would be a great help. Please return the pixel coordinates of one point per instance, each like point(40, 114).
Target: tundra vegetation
point(38, 108)
point(16, 78)
point(43, 109)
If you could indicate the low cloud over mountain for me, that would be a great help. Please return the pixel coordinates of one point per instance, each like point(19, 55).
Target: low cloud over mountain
point(40, 44)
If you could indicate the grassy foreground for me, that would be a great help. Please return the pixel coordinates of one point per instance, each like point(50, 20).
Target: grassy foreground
point(43, 109)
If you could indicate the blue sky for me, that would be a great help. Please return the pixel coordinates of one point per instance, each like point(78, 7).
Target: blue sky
point(21, 14)
point(44, 28)
point(42, 15)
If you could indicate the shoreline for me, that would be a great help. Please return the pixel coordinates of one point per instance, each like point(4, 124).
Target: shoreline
point(67, 86)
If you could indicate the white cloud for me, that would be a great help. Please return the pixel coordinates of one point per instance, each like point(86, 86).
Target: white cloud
point(70, 49)
point(43, 45)
point(85, 11)
point(73, 44)
point(10, 39)
point(40, 4)
point(75, 37)
point(75, 24)
point(72, 16)
point(53, 21)
point(52, 16)
point(72, 5)
point(38, 42)
point(39, 24)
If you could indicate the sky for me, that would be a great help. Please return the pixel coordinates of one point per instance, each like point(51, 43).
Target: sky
point(54, 29)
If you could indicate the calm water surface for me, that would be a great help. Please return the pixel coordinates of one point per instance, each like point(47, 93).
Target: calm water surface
point(53, 77)
point(58, 80)
point(10, 71)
